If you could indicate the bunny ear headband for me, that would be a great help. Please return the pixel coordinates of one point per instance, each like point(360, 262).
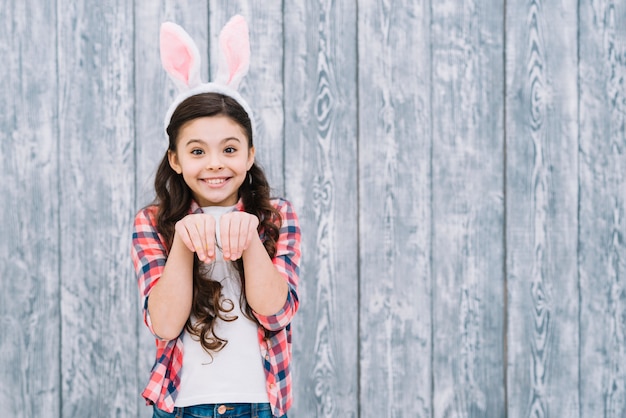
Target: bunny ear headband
point(181, 59)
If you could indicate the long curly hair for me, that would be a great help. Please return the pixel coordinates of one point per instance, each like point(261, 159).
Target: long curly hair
point(174, 197)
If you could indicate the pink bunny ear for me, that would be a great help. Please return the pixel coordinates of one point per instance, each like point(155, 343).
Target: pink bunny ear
point(234, 52)
point(180, 56)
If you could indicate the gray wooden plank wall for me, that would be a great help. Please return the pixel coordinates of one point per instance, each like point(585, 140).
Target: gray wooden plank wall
point(458, 167)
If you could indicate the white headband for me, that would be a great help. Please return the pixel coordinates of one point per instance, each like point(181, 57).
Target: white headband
point(181, 61)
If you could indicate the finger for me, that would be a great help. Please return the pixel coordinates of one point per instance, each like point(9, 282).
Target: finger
point(196, 232)
point(242, 236)
point(183, 233)
point(209, 237)
point(225, 225)
point(236, 238)
point(251, 230)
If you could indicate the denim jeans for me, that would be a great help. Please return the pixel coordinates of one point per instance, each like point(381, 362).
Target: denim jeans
point(227, 410)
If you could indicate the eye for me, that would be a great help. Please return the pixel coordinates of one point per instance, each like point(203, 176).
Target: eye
point(197, 151)
point(230, 150)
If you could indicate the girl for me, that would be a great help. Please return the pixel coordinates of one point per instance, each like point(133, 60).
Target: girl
point(216, 258)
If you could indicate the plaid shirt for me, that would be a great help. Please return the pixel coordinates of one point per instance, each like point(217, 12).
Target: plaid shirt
point(149, 254)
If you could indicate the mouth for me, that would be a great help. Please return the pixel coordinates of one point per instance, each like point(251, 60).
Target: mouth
point(216, 181)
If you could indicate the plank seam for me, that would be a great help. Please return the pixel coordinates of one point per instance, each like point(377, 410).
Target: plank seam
point(135, 193)
point(60, 200)
point(505, 289)
point(284, 109)
point(578, 122)
point(358, 211)
point(432, 219)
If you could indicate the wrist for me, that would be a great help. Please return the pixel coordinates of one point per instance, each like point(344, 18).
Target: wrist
point(255, 246)
point(179, 246)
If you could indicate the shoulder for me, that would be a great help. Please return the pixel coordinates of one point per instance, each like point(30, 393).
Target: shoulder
point(286, 210)
point(282, 205)
point(147, 216)
point(145, 230)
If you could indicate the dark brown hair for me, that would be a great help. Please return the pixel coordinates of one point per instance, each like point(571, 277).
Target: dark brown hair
point(174, 197)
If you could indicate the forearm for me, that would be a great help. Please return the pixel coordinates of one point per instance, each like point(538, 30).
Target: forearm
point(266, 288)
point(170, 299)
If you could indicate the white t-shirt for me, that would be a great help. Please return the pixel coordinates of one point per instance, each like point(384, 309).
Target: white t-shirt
point(235, 373)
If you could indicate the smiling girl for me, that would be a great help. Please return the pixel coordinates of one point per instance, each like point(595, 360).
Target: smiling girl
point(216, 258)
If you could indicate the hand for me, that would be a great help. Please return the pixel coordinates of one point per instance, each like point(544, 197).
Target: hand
point(197, 231)
point(237, 230)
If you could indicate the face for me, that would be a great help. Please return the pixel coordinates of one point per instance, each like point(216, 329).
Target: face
point(213, 156)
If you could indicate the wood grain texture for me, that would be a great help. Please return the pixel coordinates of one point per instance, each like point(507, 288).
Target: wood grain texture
point(95, 62)
point(154, 92)
point(460, 185)
point(602, 185)
point(30, 319)
point(541, 202)
point(263, 87)
point(468, 209)
point(394, 209)
point(321, 181)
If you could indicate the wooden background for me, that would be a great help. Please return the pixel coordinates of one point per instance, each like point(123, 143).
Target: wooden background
point(459, 170)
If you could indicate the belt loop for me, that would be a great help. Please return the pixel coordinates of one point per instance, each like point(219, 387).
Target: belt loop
point(253, 410)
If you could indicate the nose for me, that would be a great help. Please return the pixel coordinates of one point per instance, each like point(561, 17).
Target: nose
point(214, 162)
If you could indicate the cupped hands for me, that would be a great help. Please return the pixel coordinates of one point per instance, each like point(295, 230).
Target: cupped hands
point(236, 230)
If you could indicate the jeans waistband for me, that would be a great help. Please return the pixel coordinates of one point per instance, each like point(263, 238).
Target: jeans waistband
point(218, 410)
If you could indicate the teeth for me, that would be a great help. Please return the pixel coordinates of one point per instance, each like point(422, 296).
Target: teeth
point(215, 181)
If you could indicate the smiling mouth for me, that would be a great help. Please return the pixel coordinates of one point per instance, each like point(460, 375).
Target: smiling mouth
point(215, 181)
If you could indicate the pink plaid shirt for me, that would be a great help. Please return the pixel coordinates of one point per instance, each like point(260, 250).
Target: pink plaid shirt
point(149, 254)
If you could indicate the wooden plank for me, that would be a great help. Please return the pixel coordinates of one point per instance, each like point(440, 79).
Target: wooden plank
point(29, 209)
point(467, 208)
point(154, 93)
point(602, 252)
point(97, 193)
point(541, 209)
point(321, 181)
point(394, 209)
point(263, 87)
point(154, 90)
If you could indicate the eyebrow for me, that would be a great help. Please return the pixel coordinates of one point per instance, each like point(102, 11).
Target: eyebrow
point(201, 141)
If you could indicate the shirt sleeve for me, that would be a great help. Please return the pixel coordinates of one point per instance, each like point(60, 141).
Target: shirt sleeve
point(287, 262)
point(149, 255)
